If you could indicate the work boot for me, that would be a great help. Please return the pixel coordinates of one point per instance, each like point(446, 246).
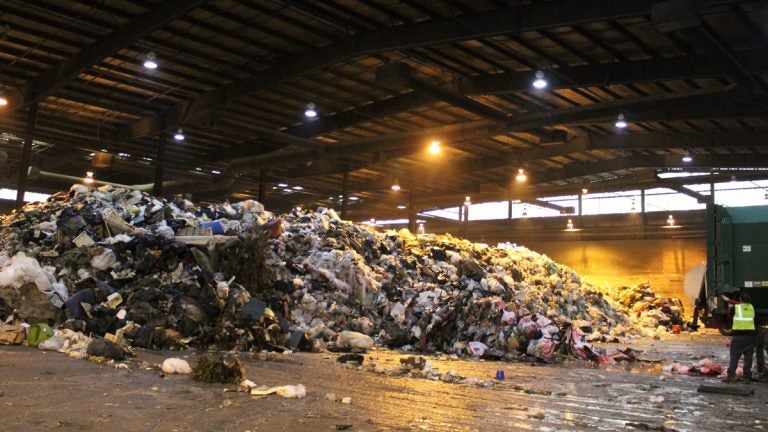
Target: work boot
point(729, 380)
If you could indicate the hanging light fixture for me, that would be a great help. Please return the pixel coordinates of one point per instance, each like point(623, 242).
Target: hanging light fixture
point(670, 221)
point(569, 225)
point(373, 221)
point(179, 135)
point(434, 147)
point(620, 122)
point(150, 62)
point(88, 177)
point(687, 157)
point(311, 111)
point(539, 82)
point(421, 228)
point(467, 201)
point(396, 186)
point(521, 175)
point(3, 99)
point(402, 207)
point(584, 191)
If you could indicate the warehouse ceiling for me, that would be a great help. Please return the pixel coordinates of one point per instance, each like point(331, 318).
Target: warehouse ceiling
point(386, 77)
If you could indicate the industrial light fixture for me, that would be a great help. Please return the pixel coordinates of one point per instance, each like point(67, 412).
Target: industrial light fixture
point(421, 228)
point(396, 186)
point(670, 221)
point(434, 147)
point(539, 82)
point(179, 135)
point(687, 157)
point(298, 188)
point(282, 185)
point(521, 175)
point(620, 122)
point(467, 201)
point(569, 225)
point(3, 99)
point(311, 111)
point(88, 177)
point(584, 191)
point(150, 62)
point(373, 221)
point(402, 207)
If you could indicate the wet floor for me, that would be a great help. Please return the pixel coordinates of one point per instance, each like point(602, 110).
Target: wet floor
point(49, 391)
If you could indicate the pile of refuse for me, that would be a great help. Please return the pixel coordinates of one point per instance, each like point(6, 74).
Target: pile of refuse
point(647, 308)
point(148, 272)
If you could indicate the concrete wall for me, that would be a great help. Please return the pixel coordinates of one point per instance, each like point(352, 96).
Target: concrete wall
point(626, 262)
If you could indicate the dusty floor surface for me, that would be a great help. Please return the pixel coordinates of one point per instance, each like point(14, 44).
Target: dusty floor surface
point(48, 391)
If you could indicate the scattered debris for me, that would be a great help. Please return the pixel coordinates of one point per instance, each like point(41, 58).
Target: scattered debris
point(351, 358)
point(175, 365)
point(286, 391)
point(224, 370)
point(731, 390)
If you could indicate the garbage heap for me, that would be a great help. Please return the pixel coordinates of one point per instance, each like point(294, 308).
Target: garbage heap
point(165, 273)
point(647, 308)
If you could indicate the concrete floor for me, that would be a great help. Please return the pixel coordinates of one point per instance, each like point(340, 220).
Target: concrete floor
point(49, 391)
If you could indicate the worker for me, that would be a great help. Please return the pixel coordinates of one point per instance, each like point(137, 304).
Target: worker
point(743, 337)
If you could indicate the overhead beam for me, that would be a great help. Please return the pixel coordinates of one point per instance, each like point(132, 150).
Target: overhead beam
point(515, 19)
point(683, 17)
point(684, 67)
point(701, 199)
point(544, 204)
point(56, 77)
point(398, 75)
point(706, 140)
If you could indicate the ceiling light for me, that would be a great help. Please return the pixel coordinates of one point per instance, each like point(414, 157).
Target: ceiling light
point(569, 225)
point(282, 185)
point(467, 201)
point(179, 135)
point(521, 175)
point(539, 82)
point(434, 147)
point(311, 111)
point(671, 221)
point(373, 221)
point(3, 100)
point(396, 186)
point(584, 191)
point(620, 122)
point(353, 198)
point(687, 158)
point(88, 177)
point(151, 61)
point(402, 206)
point(198, 169)
point(215, 172)
point(421, 229)
point(297, 187)
point(124, 155)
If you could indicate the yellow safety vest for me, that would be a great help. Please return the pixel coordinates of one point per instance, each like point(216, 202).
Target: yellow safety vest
point(744, 317)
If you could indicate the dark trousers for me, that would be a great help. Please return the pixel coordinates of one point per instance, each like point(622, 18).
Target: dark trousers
point(741, 344)
point(760, 335)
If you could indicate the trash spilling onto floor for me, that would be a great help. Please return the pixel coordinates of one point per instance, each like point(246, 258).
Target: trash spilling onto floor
point(113, 268)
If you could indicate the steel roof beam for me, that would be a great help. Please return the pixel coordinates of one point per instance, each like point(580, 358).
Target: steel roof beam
point(478, 25)
point(56, 77)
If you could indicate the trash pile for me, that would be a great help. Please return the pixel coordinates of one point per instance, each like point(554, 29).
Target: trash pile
point(647, 308)
point(147, 272)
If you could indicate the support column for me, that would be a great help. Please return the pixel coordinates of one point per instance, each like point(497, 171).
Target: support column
point(26, 155)
point(509, 209)
point(344, 197)
point(581, 195)
point(262, 188)
point(157, 189)
point(411, 214)
point(712, 193)
point(642, 207)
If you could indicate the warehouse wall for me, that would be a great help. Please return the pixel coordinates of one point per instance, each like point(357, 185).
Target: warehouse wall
point(663, 262)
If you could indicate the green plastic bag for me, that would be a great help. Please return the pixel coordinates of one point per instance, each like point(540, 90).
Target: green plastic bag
point(38, 333)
